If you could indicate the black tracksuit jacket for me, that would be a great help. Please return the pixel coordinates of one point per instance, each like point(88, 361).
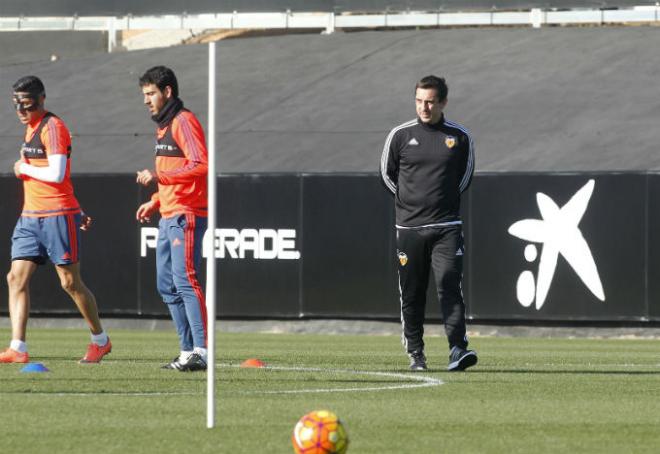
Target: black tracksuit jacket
point(427, 167)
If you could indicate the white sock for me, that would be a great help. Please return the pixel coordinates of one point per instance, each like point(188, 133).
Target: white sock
point(201, 351)
point(100, 339)
point(18, 345)
point(184, 355)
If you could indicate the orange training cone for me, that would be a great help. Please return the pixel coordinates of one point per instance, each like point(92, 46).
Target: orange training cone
point(253, 362)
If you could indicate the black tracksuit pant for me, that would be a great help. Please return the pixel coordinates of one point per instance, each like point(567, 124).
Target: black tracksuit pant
point(439, 248)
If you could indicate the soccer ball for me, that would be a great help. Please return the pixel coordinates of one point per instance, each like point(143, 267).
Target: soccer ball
point(319, 432)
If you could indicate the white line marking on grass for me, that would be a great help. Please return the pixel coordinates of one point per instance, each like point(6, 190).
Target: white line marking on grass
point(422, 380)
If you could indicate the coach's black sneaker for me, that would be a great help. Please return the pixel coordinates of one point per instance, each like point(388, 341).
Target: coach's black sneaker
point(461, 359)
point(417, 360)
point(193, 363)
point(174, 364)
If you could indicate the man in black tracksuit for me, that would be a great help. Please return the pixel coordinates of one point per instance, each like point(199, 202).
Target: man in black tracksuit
point(427, 163)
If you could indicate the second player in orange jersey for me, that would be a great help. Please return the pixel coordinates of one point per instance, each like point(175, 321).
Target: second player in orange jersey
point(180, 174)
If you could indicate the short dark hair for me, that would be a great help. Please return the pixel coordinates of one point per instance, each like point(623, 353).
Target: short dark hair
point(436, 83)
point(30, 84)
point(161, 76)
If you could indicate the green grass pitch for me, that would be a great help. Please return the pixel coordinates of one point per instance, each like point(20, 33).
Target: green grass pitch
point(525, 396)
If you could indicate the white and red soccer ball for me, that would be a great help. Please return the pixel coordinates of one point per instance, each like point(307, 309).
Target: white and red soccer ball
point(319, 432)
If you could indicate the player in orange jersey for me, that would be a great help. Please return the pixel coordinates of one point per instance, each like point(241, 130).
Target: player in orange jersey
point(181, 173)
point(49, 224)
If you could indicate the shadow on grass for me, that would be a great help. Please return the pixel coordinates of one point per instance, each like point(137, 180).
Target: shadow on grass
point(159, 359)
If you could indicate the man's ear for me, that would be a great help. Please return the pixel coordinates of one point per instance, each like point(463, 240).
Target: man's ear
point(167, 92)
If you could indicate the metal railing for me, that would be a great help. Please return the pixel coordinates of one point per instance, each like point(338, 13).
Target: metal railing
point(329, 22)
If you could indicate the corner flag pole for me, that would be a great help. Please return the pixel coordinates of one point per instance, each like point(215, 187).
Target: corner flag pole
point(210, 258)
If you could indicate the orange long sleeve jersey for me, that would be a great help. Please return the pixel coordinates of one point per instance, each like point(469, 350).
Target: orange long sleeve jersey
point(46, 136)
point(182, 167)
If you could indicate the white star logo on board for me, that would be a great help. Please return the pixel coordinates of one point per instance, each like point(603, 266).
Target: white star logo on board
point(559, 233)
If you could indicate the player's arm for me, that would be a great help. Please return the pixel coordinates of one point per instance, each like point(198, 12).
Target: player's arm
point(56, 139)
point(147, 209)
point(189, 135)
point(389, 162)
point(146, 177)
point(52, 173)
point(467, 163)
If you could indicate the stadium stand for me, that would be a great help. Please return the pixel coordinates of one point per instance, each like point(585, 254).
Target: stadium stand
point(553, 99)
point(25, 47)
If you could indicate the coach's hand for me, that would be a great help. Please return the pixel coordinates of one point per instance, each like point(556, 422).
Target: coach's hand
point(145, 211)
point(85, 222)
point(146, 177)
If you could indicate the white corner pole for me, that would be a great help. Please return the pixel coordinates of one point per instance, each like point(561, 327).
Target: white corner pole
point(210, 257)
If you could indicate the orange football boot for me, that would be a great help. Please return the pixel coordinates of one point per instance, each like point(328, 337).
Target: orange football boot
point(10, 355)
point(96, 352)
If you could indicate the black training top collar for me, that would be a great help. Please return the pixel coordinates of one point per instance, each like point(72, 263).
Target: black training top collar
point(435, 126)
point(172, 107)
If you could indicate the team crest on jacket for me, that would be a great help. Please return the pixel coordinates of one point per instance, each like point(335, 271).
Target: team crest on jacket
point(403, 258)
point(450, 141)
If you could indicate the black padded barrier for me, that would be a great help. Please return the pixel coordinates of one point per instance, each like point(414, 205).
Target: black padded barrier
point(611, 229)
point(322, 245)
